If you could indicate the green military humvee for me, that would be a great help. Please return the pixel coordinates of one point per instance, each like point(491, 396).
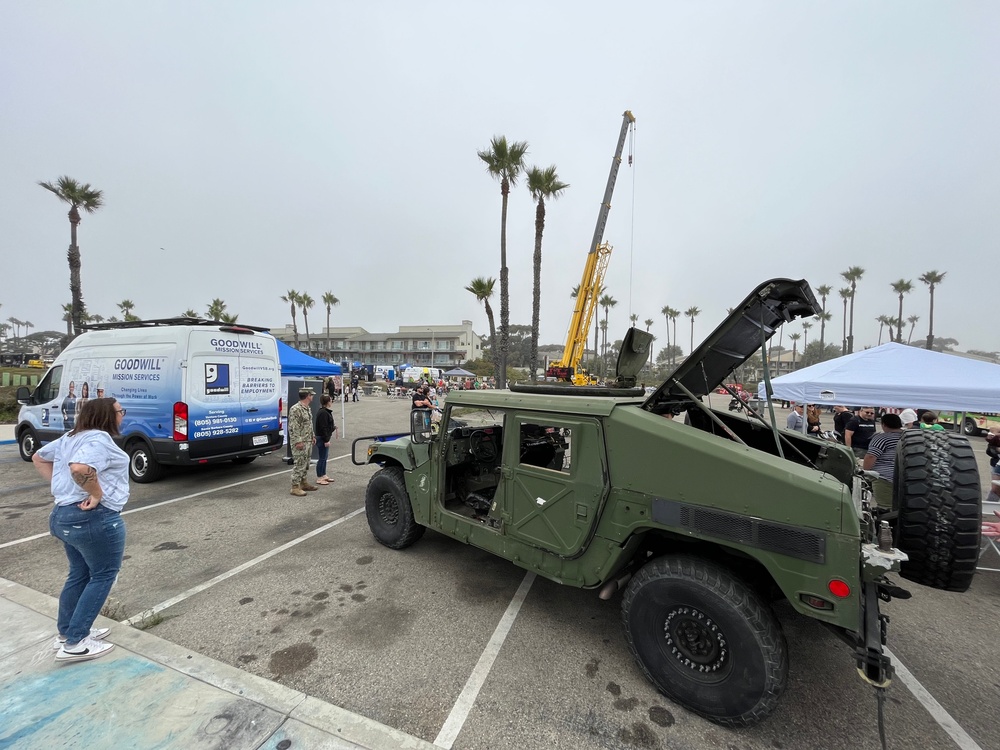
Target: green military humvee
point(701, 523)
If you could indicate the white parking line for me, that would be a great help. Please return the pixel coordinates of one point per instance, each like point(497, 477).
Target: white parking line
point(935, 709)
point(238, 569)
point(173, 500)
point(460, 711)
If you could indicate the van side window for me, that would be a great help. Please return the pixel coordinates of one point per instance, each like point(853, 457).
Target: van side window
point(48, 389)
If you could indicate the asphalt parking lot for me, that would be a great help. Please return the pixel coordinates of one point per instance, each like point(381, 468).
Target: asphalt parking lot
point(223, 561)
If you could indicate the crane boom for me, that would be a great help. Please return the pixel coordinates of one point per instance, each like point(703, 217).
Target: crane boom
point(598, 256)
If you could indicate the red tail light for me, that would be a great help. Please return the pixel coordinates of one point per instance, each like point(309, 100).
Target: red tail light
point(180, 421)
point(281, 410)
point(839, 588)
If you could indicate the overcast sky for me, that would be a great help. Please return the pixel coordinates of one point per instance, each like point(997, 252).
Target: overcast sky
point(247, 148)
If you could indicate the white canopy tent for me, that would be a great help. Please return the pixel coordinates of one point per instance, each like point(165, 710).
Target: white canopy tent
point(895, 375)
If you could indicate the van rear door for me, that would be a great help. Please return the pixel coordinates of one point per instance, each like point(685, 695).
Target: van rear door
point(232, 392)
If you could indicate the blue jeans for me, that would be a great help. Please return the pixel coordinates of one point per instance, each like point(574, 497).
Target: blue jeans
point(324, 453)
point(95, 542)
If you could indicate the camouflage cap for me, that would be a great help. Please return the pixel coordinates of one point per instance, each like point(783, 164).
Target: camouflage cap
point(303, 392)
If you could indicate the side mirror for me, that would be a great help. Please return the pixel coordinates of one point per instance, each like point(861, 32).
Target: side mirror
point(23, 395)
point(420, 425)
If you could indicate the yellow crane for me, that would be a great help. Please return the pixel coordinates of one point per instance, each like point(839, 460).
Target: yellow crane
point(567, 367)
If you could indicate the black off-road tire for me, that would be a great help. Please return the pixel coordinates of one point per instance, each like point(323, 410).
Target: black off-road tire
point(143, 467)
point(390, 515)
point(27, 443)
point(706, 640)
point(938, 495)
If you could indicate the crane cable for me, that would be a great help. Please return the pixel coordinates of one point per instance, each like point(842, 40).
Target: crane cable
point(631, 151)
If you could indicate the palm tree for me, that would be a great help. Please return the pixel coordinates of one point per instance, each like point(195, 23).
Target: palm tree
point(542, 184)
point(795, 343)
point(68, 317)
point(228, 318)
point(674, 315)
point(77, 196)
point(482, 288)
point(852, 275)
point(932, 279)
point(845, 294)
point(824, 318)
point(883, 321)
point(292, 298)
point(665, 312)
point(189, 313)
point(95, 318)
point(901, 287)
point(633, 318)
point(912, 320)
point(127, 306)
point(649, 322)
point(823, 292)
point(805, 335)
point(597, 294)
point(329, 300)
point(16, 325)
point(27, 324)
point(505, 162)
point(216, 310)
point(607, 302)
point(692, 312)
point(306, 303)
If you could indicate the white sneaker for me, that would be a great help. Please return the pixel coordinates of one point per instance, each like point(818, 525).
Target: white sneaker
point(97, 633)
point(87, 649)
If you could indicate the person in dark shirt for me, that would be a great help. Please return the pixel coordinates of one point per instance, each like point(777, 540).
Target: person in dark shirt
point(422, 399)
point(841, 416)
point(859, 431)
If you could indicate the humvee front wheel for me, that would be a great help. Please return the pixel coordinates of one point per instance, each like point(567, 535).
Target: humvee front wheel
point(705, 640)
point(390, 515)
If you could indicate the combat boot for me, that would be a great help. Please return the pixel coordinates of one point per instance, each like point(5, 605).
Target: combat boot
point(297, 490)
point(309, 487)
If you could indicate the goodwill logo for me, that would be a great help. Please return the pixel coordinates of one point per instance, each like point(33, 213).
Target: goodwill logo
point(216, 378)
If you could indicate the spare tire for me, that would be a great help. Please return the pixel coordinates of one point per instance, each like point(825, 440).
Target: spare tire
point(938, 496)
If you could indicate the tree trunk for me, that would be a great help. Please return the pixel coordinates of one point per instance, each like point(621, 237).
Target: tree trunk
point(843, 345)
point(501, 375)
point(329, 351)
point(899, 327)
point(75, 284)
point(493, 332)
point(536, 296)
point(850, 332)
point(930, 323)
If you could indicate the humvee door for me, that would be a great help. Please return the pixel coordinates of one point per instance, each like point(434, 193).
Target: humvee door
point(554, 480)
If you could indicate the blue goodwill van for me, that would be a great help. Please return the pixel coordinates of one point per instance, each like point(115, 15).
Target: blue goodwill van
point(194, 392)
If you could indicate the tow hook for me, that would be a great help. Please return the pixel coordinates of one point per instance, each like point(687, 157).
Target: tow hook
point(874, 666)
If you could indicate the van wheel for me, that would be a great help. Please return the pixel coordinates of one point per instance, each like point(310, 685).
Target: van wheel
point(706, 640)
point(938, 496)
point(27, 443)
point(390, 515)
point(142, 464)
point(243, 460)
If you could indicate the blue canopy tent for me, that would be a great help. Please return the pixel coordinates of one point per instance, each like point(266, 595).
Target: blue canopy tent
point(296, 364)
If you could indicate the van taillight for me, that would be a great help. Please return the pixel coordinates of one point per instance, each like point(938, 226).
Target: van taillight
point(281, 410)
point(180, 421)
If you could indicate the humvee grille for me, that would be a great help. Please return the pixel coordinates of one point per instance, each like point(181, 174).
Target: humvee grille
point(803, 544)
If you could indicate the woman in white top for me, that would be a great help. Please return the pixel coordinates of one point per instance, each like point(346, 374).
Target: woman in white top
point(89, 477)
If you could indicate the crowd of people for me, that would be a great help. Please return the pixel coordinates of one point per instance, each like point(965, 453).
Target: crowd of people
point(857, 429)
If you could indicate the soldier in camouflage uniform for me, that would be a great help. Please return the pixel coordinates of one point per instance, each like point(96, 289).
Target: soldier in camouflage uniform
point(301, 438)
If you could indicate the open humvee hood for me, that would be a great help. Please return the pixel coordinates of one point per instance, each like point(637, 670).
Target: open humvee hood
point(731, 344)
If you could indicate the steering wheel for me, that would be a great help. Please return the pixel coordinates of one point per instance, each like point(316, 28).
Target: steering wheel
point(481, 446)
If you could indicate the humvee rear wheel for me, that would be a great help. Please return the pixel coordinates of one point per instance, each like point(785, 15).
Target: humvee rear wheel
point(939, 500)
point(390, 515)
point(705, 640)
